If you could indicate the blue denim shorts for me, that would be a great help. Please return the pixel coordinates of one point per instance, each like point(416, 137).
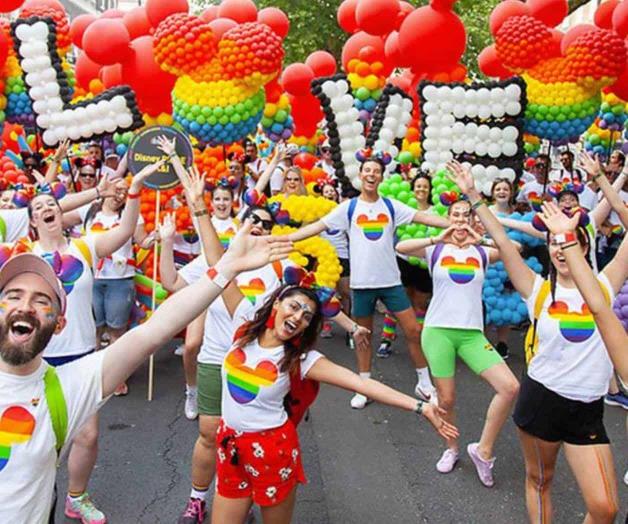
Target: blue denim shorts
point(363, 300)
point(112, 301)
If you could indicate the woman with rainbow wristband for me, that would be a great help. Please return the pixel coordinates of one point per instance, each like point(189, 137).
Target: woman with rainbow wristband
point(561, 401)
point(457, 263)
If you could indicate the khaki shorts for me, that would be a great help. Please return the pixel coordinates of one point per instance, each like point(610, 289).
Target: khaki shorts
point(209, 386)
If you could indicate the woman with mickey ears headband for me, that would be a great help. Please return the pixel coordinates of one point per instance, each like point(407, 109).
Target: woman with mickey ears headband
point(271, 360)
point(370, 222)
point(561, 398)
point(74, 262)
point(455, 328)
point(218, 325)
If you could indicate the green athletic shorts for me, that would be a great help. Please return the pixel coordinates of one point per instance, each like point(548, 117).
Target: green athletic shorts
point(441, 345)
point(209, 384)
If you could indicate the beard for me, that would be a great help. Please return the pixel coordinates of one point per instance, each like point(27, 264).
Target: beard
point(20, 354)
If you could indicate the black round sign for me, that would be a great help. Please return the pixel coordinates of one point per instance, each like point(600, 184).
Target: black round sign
point(143, 151)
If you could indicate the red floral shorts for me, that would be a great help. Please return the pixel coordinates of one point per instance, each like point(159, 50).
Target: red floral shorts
point(264, 465)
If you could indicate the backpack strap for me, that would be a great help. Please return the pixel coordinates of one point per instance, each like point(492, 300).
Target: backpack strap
point(351, 209)
point(438, 249)
point(544, 291)
point(530, 343)
point(391, 208)
point(83, 248)
point(483, 256)
point(278, 267)
point(56, 406)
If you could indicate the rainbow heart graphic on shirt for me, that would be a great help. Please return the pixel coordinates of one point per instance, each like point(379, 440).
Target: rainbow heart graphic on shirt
point(226, 236)
point(244, 382)
point(460, 272)
point(535, 200)
point(67, 268)
point(16, 427)
point(253, 289)
point(574, 326)
point(373, 229)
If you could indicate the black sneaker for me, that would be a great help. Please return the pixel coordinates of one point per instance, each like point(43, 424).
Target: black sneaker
point(502, 349)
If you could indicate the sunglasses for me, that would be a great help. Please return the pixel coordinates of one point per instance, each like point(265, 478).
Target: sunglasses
point(293, 180)
point(266, 224)
point(88, 175)
point(326, 150)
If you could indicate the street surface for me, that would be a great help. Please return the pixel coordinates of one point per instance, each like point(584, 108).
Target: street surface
point(371, 466)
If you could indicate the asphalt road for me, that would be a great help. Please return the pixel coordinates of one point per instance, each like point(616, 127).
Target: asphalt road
point(370, 466)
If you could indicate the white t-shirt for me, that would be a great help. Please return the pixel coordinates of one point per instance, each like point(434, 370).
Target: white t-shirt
point(226, 228)
point(276, 179)
point(13, 224)
point(219, 327)
point(254, 387)
point(329, 169)
point(72, 268)
point(458, 277)
point(571, 359)
point(371, 240)
point(121, 264)
point(339, 240)
point(257, 167)
point(562, 175)
point(614, 217)
point(28, 464)
point(588, 199)
point(532, 194)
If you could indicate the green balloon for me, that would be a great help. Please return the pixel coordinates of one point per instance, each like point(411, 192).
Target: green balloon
point(212, 120)
point(363, 94)
point(405, 158)
point(207, 111)
point(405, 186)
point(281, 116)
point(229, 110)
point(235, 119)
point(403, 195)
point(223, 120)
point(412, 202)
point(396, 178)
point(405, 237)
point(394, 188)
point(267, 122)
point(218, 111)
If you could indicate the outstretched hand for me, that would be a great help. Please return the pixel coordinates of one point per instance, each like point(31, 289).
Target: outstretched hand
point(166, 146)
point(193, 186)
point(168, 228)
point(138, 180)
point(362, 338)
point(435, 415)
point(248, 252)
point(591, 164)
point(461, 176)
point(556, 221)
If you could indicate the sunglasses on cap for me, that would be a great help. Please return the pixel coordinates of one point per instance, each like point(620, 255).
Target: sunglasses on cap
point(266, 224)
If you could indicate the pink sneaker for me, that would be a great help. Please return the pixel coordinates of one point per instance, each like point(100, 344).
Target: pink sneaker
point(447, 461)
point(482, 466)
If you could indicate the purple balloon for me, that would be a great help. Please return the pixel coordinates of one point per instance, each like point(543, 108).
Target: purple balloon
point(624, 148)
point(623, 312)
point(286, 133)
point(602, 124)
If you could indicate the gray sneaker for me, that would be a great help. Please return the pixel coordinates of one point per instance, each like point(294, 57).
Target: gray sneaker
point(482, 466)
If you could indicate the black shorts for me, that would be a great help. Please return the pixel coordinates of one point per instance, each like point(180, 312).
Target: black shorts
point(551, 417)
point(346, 268)
point(415, 277)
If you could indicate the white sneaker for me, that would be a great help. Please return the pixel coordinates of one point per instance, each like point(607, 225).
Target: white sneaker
point(426, 394)
point(179, 350)
point(191, 408)
point(447, 461)
point(359, 401)
point(626, 478)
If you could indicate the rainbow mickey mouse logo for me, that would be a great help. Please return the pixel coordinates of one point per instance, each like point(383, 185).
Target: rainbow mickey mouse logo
point(461, 272)
point(244, 382)
point(575, 326)
point(373, 229)
point(16, 427)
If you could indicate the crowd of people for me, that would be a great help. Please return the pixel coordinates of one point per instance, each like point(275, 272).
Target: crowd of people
point(250, 360)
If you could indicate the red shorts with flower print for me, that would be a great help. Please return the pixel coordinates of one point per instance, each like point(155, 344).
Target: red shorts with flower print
point(264, 465)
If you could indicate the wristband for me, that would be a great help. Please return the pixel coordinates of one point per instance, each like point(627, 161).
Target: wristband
point(565, 238)
point(133, 196)
point(98, 193)
point(419, 408)
point(220, 280)
point(172, 155)
point(595, 177)
point(354, 329)
point(200, 213)
point(479, 203)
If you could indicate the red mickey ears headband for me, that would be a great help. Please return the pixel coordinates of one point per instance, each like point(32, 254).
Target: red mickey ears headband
point(87, 161)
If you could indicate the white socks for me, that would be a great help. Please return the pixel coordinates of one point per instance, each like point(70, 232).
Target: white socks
point(423, 375)
point(198, 494)
point(365, 376)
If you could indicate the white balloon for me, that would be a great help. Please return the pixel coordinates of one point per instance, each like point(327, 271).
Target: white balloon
point(23, 32)
point(481, 149)
point(498, 110)
point(469, 145)
point(430, 108)
point(357, 183)
point(458, 94)
point(86, 130)
point(446, 156)
point(357, 128)
point(51, 89)
point(483, 132)
point(40, 106)
point(393, 110)
point(494, 150)
point(406, 117)
point(444, 93)
point(43, 61)
point(428, 166)
point(470, 97)
point(433, 120)
point(498, 94)
point(390, 123)
point(44, 121)
point(37, 93)
point(393, 150)
point(352, 170)
point(343, 86)
point(430, 92)
point(510, 149)
point(432, 156)
point(40, 31)
point(74, 132)
point(478, 171)
point(495, 134)
point(457, 146)
point(510, 134)
point(483, 95)
point(513, 92)
point(347, 102)
point(471, 130)
point(360, 142)
point(330, 89)
point(347, 157)
point(458, 129)
point(509, 174)
point(408, 105)
point(446, 107)
point(381, 144)
point(49, 136)
point(124, 120)
point(448, 120)
point(55, 104)
point(33, 79)
point(430, 144)
point(484, 111)
point(48, 75)
point(492, 172)
point(29, 65)
point(472, 110)
point(432, 132)
point(513, 108)
point(460, 111)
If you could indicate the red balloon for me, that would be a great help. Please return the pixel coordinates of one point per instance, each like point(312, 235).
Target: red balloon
point(152, 86)
point(220, 26)
point(441, 32)
point(573, 34)
point(111, 76)
point(106, 41)
point(276, 19)
point(78, 27)
point(10, 5)
point(305, 161)
point(620, 19)
point(112, 13)
point(550, 12)
point(620, 87)
point(604, 15)
point(377, 17)
point(359, 41)
point(52, 4)
point(158, 10)
point(405, 8)
point(322, 63)
point(4, 47)
point(346, 16)
point(210, 14)
point(241, 11)
point(490, 64)
point(505, 10)
point(443, 5)
point(296, 79)
point(86, 70)
point(137, 23)
point(391, 49)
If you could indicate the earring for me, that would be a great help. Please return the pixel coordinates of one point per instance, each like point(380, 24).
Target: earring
point(270, 322)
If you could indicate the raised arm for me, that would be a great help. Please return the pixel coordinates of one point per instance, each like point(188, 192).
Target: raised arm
point(326, 371)
point(611, 199)
point(51, 172)
point(611, 329)
point(521, 225)
point(429, 219)
point(115, 238)
point(521, 276)
point(128, 352)
point(264, 178)
point(170, 279)
point(311, 230)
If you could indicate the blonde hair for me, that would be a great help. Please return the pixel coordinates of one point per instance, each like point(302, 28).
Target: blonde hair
point(294, 169)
